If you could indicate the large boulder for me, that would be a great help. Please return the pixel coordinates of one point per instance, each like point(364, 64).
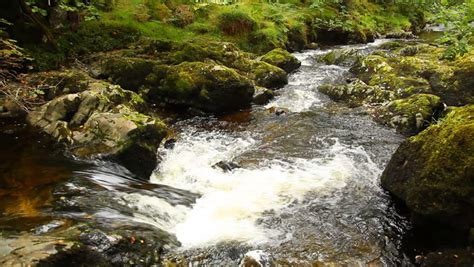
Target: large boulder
point(103, 121)
point(411, 115)
point(432, 172)
point(282, 59)
point(206, 86)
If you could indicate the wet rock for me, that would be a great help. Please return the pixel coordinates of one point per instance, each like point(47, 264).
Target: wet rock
point(267, 75)
point(206, 86)
point(98, 240)
point(170, 143)
point(226, 165)
point(341, 57)
point(262, 95)
point(256, 258)
point(411, 115)
point(42, 229)
point(357, 93)
point(103, 121)
point(432, 171)
point(282, 59)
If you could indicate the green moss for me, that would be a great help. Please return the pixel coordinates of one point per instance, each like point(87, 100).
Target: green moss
point(132, 73)
point(432, 172)
point(267, 75)
point(357, 93)
point(282, 59)
point(206, 86)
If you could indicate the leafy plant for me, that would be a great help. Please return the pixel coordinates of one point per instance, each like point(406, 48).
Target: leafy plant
point(459, 29)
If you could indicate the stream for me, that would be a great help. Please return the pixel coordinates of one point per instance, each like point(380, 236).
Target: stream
point(298, 183)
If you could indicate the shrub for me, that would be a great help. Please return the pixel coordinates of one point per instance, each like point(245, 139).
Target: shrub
point(236, 22)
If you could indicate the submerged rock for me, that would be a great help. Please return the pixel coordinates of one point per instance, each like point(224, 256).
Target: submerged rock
point(103, 121)
point(282, 59)
point(411, 115)
point(432, 172)
point(226, 165)
point(207, 86)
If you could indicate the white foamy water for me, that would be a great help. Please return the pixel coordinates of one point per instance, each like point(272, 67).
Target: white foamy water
point(301, 93)
point(232, 202)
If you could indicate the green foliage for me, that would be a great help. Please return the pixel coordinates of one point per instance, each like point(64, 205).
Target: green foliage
point(459, 31)
point(12, 57)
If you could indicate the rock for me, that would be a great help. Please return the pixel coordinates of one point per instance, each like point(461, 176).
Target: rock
point(207, 86)
point(256, 258)
point(131, 73)
point(56, 83)
point(392, 45)
point(411, 115)
point(223, 53)
point(169, 144)
point(262, 95)
point(267, 75)
point(226, 166)
point(432, 171)
point(463, 81)
point(297, 39)
point(357, 93)
point(98, 248)
point(98, 240)
point(342, 57)
point(103, 121)
point(282, 59)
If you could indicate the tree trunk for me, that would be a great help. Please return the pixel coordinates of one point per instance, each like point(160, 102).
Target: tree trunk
point(30, 15)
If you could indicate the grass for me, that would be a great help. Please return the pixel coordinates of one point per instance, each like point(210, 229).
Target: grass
point(254, 26)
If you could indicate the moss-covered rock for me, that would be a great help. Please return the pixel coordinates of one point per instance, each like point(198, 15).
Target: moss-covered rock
point(222, 52)
point(56, 83)
point(463, 81)
point(207, 86)
point(411, 115)
point(357, 93)
point(342, 57)
point(103, 121)
point(267, 75)
point(282, 59)
point(129, 72)
point(432, 171)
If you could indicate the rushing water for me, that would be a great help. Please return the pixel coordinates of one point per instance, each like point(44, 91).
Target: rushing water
point(304, 186)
